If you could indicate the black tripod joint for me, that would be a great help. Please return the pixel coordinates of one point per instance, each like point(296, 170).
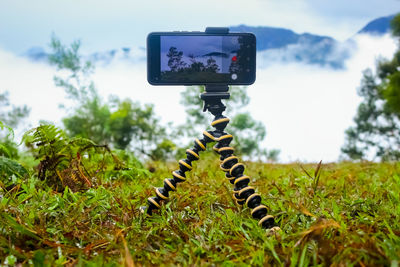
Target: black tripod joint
point(212, 98)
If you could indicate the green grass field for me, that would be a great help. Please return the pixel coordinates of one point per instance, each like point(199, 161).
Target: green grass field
point(349, 216)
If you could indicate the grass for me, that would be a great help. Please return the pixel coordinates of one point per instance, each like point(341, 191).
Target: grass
point(342, 214)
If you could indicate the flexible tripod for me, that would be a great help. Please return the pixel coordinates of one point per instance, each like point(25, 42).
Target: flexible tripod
point(242, 192)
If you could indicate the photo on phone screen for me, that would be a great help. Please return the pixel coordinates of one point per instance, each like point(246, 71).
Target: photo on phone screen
point(203, 59)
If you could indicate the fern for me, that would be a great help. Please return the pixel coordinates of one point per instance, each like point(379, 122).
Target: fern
point(74, 162)
point(68, 162)
point(48, 139)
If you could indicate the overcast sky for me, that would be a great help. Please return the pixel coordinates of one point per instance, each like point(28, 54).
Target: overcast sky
point(112, 24)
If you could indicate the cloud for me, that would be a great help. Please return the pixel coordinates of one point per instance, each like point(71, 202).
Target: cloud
point(30, 83)
point(305, 108)
point(326, 53)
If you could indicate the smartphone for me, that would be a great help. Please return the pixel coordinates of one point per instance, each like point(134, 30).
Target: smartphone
point(198, 58)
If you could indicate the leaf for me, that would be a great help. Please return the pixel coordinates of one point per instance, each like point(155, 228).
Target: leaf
point(317, 175)
point(11, 222)
point(9, 167)
point(4, 150)
point(304, 170)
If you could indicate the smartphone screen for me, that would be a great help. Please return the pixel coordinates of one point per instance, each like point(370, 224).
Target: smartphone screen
point(201, 59)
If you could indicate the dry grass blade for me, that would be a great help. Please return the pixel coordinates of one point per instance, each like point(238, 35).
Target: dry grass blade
point(305, 211)
point(128, 257)
point(318, 169)
point(278, 188)
point(306, 172)
point(128, 261)
point(317, 175)
point(317, 229)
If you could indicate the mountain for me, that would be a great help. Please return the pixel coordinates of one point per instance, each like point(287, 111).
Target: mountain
point(285, 45)
point(271, 38)
point(273, 45)
point(36, 53)
point(131, 55)
point(378, 26)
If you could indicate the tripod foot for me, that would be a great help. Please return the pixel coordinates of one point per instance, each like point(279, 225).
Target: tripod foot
point(234, 171)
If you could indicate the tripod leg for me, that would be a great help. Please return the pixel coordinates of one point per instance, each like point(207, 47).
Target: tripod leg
point(243, 193)
point(162, 193)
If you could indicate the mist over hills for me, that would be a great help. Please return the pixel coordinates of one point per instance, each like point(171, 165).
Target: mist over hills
point(273, 45)
point(278, 44)
point(284, 45)
point(273, 38)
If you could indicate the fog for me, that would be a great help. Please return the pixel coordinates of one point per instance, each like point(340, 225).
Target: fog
point(305, 108)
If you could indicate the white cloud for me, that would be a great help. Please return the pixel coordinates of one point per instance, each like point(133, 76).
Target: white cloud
point(32, 84)
point(305, 108)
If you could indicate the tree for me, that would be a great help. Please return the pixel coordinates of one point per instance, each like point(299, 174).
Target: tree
point(76, 83)
point(11, 116)
point(211, 65)
point(195, 66)
point(248, 133)
point(376, 133)
point(175, 62)
point(90, 113)
point(137, 127)
point(121, 123)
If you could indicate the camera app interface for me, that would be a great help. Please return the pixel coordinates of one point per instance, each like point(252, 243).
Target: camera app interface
point(198, 58)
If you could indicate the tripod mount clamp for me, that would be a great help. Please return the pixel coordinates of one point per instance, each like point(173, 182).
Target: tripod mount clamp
point(212, 98)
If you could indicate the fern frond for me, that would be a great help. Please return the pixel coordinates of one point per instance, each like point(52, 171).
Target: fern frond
point(79, 144)
point(8, 167)
point(4, 151)
point(10, 130)
point(48, 139)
